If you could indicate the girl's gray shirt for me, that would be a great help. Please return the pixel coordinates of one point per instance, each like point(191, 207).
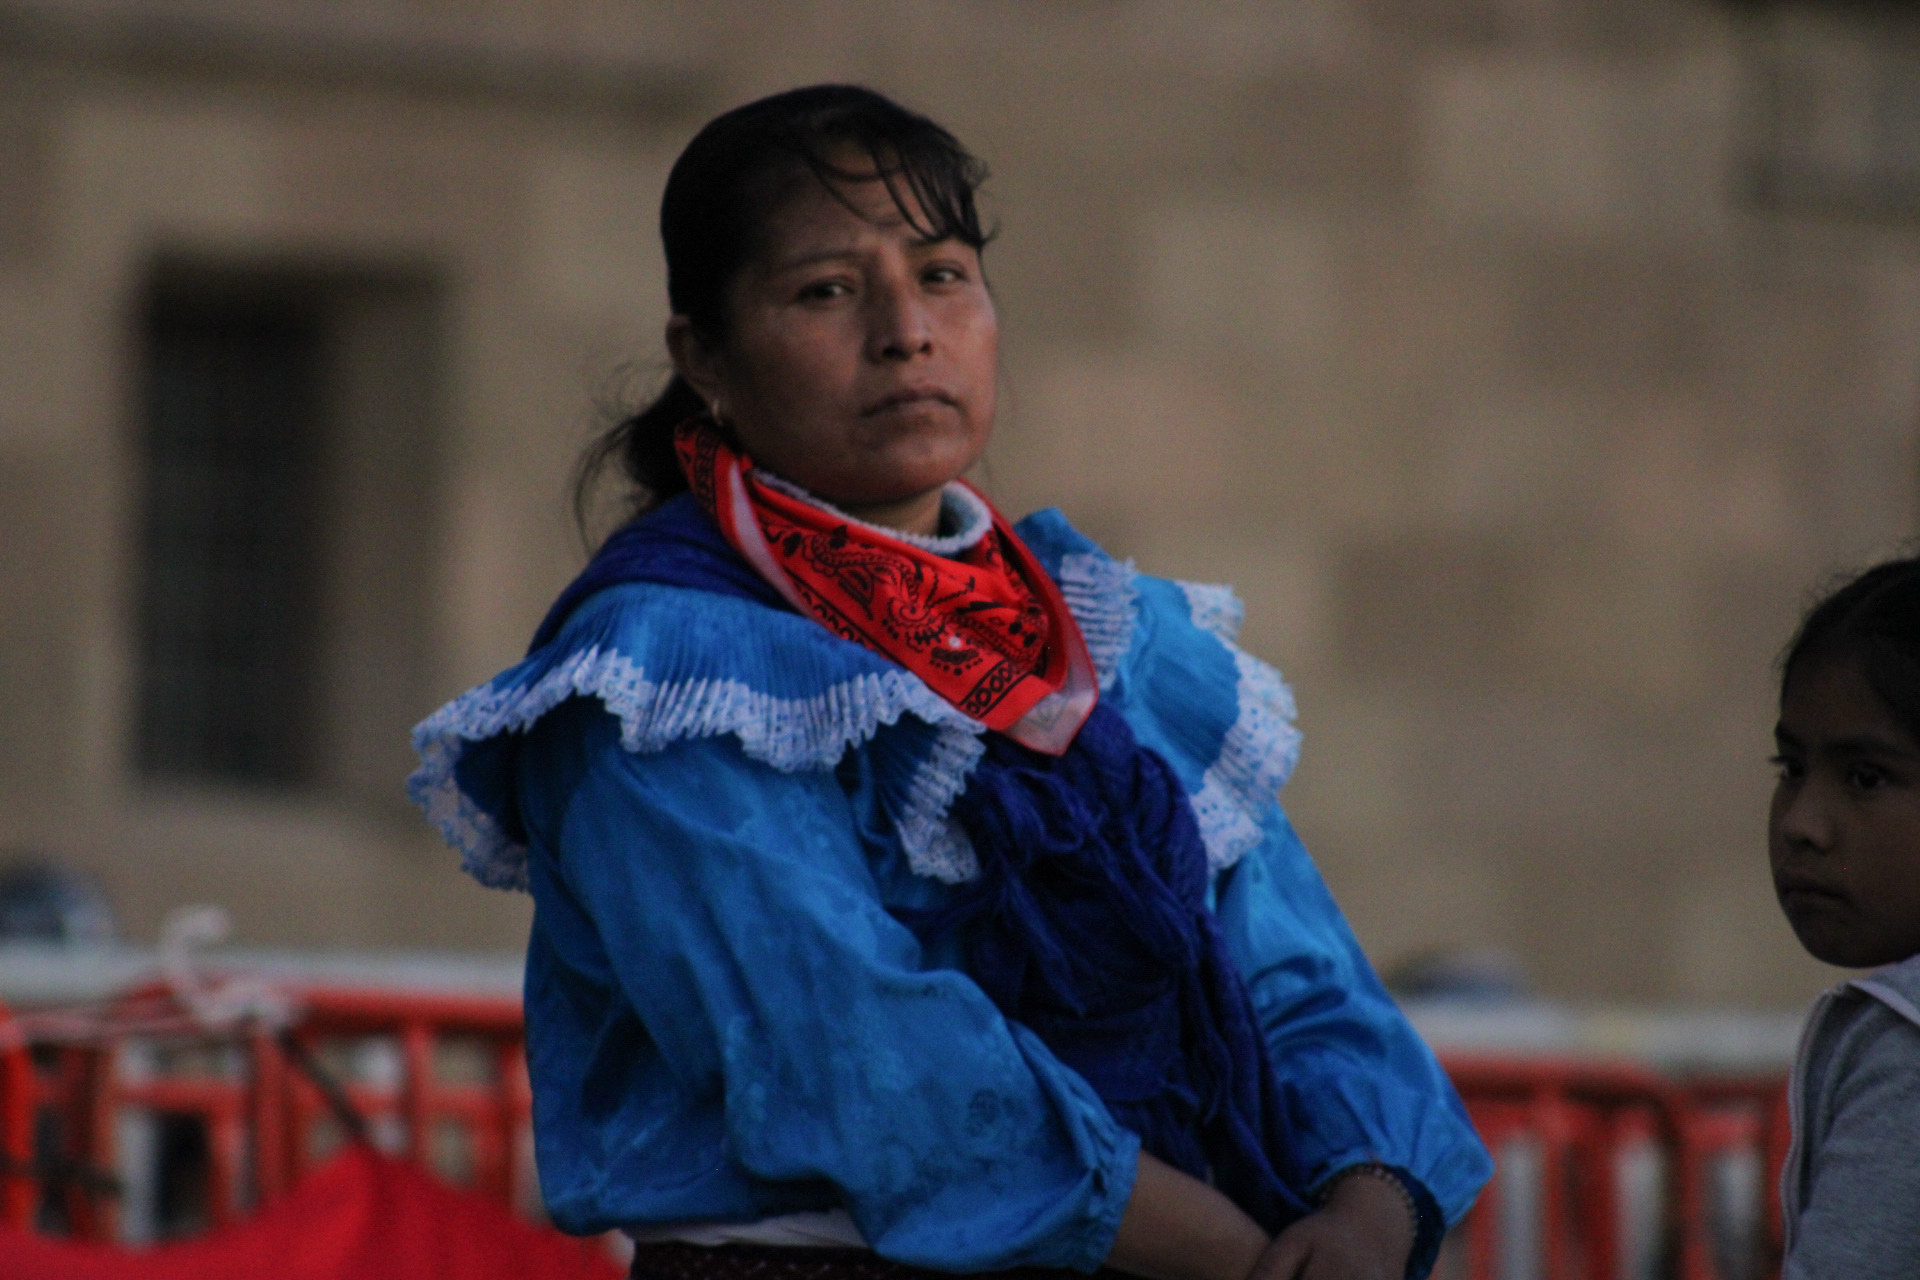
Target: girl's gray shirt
point(1851, 1185)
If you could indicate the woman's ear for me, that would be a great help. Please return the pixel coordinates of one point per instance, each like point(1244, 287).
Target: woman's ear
point(695, 359)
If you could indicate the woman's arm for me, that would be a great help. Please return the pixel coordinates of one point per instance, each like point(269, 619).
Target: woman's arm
point(1177, 1227)
point(1362, 1086)
point(741, 920)
point(1363, 1232)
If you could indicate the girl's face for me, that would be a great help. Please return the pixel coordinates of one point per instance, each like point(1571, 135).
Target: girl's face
point(1843, 833)
point(862, 358)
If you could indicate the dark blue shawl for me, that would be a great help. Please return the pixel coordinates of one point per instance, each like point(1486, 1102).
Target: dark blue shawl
point(1089, 921)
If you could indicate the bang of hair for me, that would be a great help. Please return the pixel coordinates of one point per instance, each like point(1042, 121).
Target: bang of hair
point(1872, 621)
point(931, 178)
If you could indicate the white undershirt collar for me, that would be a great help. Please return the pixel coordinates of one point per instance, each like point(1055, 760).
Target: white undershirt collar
point(961, 510)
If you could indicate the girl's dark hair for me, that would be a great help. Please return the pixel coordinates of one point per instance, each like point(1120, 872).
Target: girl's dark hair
point(724, 190)
point(1874, 620)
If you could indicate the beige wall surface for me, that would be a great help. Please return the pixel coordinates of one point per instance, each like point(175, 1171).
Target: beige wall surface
point(1522, 362)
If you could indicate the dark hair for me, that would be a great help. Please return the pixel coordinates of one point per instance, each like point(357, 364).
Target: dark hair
point(1873, 619)
point(723, 191)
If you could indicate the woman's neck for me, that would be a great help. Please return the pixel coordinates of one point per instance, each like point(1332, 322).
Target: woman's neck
point(919, 514)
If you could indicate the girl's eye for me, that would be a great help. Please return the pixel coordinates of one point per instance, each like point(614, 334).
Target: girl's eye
point(943, 275)
point(1787, 769)
point(1866, 777)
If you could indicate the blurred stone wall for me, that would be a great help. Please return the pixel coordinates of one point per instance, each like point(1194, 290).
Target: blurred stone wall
point(1523, 362)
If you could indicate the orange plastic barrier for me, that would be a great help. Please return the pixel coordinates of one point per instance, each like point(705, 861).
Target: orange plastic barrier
point(1616, 1172)
point(19, 1190)
point(1605, 1171)
point(439, 1079)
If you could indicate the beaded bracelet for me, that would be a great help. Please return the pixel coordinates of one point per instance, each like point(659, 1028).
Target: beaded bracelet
point(1373, 1169)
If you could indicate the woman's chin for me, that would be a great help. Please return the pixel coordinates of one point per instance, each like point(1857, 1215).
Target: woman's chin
point(890, 478)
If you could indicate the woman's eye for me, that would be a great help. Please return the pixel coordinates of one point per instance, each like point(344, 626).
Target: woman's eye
point(943, 275)
point(824, 290)
point(1786, 768)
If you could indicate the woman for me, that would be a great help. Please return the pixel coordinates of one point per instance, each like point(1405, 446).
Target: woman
point(910, 888)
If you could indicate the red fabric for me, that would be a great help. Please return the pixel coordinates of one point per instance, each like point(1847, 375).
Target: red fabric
point(361, 1216)
point(987, 629)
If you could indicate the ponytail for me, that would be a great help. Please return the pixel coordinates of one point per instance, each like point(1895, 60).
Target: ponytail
point(641, 446)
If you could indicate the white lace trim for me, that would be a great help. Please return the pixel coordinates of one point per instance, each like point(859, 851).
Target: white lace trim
point(1261, 748)
point(1100, 593)
point(791, 734)
point(960, 507)
point(832, 1229)
point(788, 733)
point(486, 852)
point(1215, 609)
point(935, 844)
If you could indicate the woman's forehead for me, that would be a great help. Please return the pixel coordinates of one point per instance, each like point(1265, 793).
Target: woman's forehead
point(816, 218)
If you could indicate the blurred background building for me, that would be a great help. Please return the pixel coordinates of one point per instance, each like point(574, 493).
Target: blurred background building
point(1523, 362)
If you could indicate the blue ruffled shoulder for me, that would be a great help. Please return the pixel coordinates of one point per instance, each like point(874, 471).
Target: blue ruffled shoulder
point(1170, 661)
point(675, 663)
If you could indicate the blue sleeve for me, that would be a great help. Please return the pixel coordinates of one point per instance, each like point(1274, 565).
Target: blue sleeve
point(742, 921)
point(1360, 1084)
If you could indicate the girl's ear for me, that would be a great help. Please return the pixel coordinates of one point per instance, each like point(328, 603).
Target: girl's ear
point(696, 360)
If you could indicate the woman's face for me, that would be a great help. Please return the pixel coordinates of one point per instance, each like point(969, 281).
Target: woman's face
point(862, 359)
point(1844, 831)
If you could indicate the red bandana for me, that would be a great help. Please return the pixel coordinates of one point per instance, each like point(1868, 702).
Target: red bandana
point(987, 630)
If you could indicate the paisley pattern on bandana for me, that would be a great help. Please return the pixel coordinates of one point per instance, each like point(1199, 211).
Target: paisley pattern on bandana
point(987, 629)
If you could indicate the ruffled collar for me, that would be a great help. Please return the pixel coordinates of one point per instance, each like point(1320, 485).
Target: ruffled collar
point(673, 664)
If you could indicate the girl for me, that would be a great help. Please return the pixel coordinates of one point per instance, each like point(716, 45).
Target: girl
point(1844, 842)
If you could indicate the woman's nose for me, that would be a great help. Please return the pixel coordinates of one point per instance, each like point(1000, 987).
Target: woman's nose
point(900, 326)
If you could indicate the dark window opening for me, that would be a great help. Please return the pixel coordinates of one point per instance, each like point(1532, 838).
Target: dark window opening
point(1833, 108)
point(228, 604)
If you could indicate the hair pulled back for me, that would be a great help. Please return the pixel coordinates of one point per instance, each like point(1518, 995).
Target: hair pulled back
point(1873, 620)
point(724, 191)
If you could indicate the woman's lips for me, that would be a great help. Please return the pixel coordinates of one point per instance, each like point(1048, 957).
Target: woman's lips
point(908, 396)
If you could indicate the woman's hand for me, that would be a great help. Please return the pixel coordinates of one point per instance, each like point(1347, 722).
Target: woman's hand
point(1364, 1232)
